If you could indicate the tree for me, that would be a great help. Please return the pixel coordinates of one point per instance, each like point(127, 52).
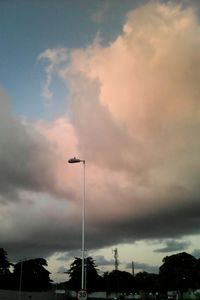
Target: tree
point(4, 269)
point(92, 277)
point(118, 282)
point(147, 282)
point(179, 272)
point(33, 275)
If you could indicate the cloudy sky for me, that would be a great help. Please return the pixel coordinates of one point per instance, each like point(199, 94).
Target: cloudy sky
point(115, 83)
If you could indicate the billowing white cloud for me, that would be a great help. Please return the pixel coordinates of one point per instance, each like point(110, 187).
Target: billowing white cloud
point(134, 117)
point(134, 105)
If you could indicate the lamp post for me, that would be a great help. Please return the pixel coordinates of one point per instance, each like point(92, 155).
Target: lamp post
point(20, 280)
point(73, 161)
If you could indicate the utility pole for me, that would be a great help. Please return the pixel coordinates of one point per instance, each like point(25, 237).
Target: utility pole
point(133, 269)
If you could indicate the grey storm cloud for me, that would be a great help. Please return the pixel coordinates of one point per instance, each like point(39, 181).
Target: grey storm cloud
point(26, 156)
point(173, 220)
point(102, 261)
point(196, 253)
point(173, 246)
point(25, 159)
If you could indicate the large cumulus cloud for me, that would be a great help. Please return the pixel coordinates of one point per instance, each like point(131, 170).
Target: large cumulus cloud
point(135, 106)
point(134, 116)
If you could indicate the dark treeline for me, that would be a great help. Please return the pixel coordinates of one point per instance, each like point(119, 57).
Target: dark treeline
point(28, 275)
point(179, 272)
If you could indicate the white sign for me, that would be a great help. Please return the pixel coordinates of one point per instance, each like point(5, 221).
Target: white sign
point(82, 295)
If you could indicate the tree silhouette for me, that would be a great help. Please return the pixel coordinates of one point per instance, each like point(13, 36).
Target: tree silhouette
point(5, 274)
point(118, 282)
point(147, 282)
point(179, 272)
point(91, 274)
point(33, 275)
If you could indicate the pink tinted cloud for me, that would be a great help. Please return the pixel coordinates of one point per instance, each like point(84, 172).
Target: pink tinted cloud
point(63, 144)
point(134, 109)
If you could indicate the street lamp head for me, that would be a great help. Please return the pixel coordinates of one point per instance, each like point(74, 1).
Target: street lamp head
point(75, 160)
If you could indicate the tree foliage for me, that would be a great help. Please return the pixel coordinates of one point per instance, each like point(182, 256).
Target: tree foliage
point(118, 282)
point(180, 272)
point(91, 274)
point(30, 274)
point(4, 269)
point(147, 282)
point(4, 263)
point(33, 275)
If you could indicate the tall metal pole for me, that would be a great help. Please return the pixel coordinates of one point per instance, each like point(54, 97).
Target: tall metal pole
point(83, 276)
point(83, 231)
point(20, 281)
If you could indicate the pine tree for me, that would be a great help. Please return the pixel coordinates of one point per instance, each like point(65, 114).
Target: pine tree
point(91, 274)
point(4, 269)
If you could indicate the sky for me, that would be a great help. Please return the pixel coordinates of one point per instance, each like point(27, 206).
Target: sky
point(115, 83)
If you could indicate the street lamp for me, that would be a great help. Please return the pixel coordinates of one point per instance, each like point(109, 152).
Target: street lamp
point(20, 280)
point(73, 161)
